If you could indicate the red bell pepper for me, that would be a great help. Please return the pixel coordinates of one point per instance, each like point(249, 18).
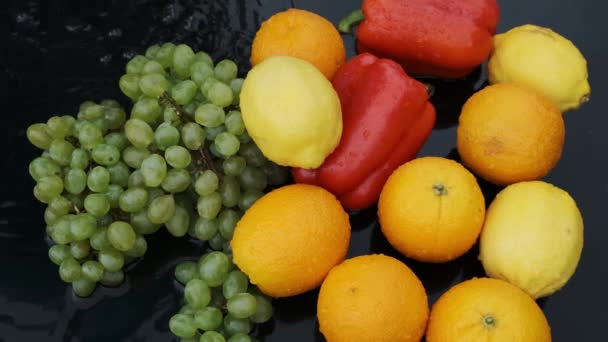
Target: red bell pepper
point(442, 38)
point(386, 119)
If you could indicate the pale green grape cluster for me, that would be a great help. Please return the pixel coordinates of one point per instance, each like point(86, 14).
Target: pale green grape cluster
point(220, 303)
point(182, 159)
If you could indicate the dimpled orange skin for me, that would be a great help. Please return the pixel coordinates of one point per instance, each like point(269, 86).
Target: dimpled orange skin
point(301, 34)
point(462, 313)
point(290, 238)
point(372, 298)
point(428, 223)
point(508, 134)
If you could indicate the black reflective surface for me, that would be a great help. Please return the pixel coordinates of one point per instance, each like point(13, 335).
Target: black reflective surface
point(56, 54)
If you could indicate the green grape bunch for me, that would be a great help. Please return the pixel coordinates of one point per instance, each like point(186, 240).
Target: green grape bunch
point(180, 159)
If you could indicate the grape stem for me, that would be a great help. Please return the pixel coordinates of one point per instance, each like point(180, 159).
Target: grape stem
point(207, 160)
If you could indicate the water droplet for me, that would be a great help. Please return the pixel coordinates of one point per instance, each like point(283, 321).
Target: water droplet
point(105, 59)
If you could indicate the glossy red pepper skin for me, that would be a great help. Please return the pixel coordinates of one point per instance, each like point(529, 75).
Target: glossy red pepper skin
point(387, 118)
point(442, 38)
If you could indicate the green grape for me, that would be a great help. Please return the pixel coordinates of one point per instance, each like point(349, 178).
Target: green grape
point(244, 138)
point(253, 155)
point(61, 151)
point(234, 122)
point(206, 85)
point(75, 181)
point(109, 103)
point(80, 249)
point(182, 325)
point(133, 156)
point(179, 223)
point(91, 112)
point(79, 159)
point(112, 279)
point(235, 283)
point(183, 57)
point(139, 248)
point(60, 206)
point(170, 116)
point(187, 310)
point(113, 195)
point(86, 104)
point(106, 155)
point(197, 294)
point(233, 325)
point(227, 221)
point(178, 157)
point(166, 136)
point(115, 117)
point(208, 318)
point(226, 70)
point(275, 174)
point(48, 188)
point(212, 336)
point(154, 193)
point(60, 232)
point(38, 135)
point(213, 132)
point(146, 109)
point(184, 92)
point(206, 183)
point(105, 220)
point(253, 178)
point(164, 55)
point(209, 115)
point(129, 85)
point(133, 200)
point(234, 165)
point(248, 198)
point(209, 206)
point(195, 338)
point(236, 85)
point(111, 259)
point(193, 135)
point(97, 204)
point(205, 229)
point(77, 200)
point(69, 121)
point(177, 180)
point(82, 226)
point(153, 67)
point(69, 270)
point(92, 270)
point(154, 170)
point(121, 235)
point(141, 224)
point(153, 85)
point(217, 242)
point(50, 217)
point(152, 51)
point(200, 71)
point(204, 57)
point(116, 139)
point(98, 179)
point(58, 253)
point(136, 179)
point(139, 133)
point(135, 65)
point(99, 241)
point(220, 94)
point(83, 287)
point(102, 124)
point(119, 174)
point(240, 337)
point(43, 167)
point(213, 268)
point(241, 305)
point(58, 127)
point(227, 144)
point(161, 209)
point(186, 271)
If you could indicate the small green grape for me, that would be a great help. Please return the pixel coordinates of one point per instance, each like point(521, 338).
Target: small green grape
point(182, 326)
point(214, 268)
point(209, 115)
point(112, 279)
point(193, 135)
point(161, 209)
point(186, 271)
point(39, 136)
point(121, 235)
point(70, 270)
point(205, 229)
point(154, 170)
point(208, 318)
point(129, 85)
point(236, 282)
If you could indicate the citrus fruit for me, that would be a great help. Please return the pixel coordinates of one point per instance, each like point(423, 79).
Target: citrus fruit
point(532, 237)
point(302, 34)
point(485, 309)
point(290, 238)
point(541, 59)
point(509, 133)
point(431, 209)
point(291, 111)
point(372, 298)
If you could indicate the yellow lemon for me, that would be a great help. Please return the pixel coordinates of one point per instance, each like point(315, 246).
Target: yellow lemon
point(291, 111)
point(532, 237)
point(541, 59)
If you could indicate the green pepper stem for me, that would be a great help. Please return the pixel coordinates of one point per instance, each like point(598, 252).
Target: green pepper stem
point(354, 18)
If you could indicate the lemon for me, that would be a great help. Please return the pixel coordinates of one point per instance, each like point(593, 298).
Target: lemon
point(532, 237)
point(541, 59)
point(291, 111)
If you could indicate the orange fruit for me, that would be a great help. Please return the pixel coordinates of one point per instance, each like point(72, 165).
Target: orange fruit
point(484, 309)
point(431, 209)
point(372, 298)
point(290, 238)
point(508, 133)
point(301, 34)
